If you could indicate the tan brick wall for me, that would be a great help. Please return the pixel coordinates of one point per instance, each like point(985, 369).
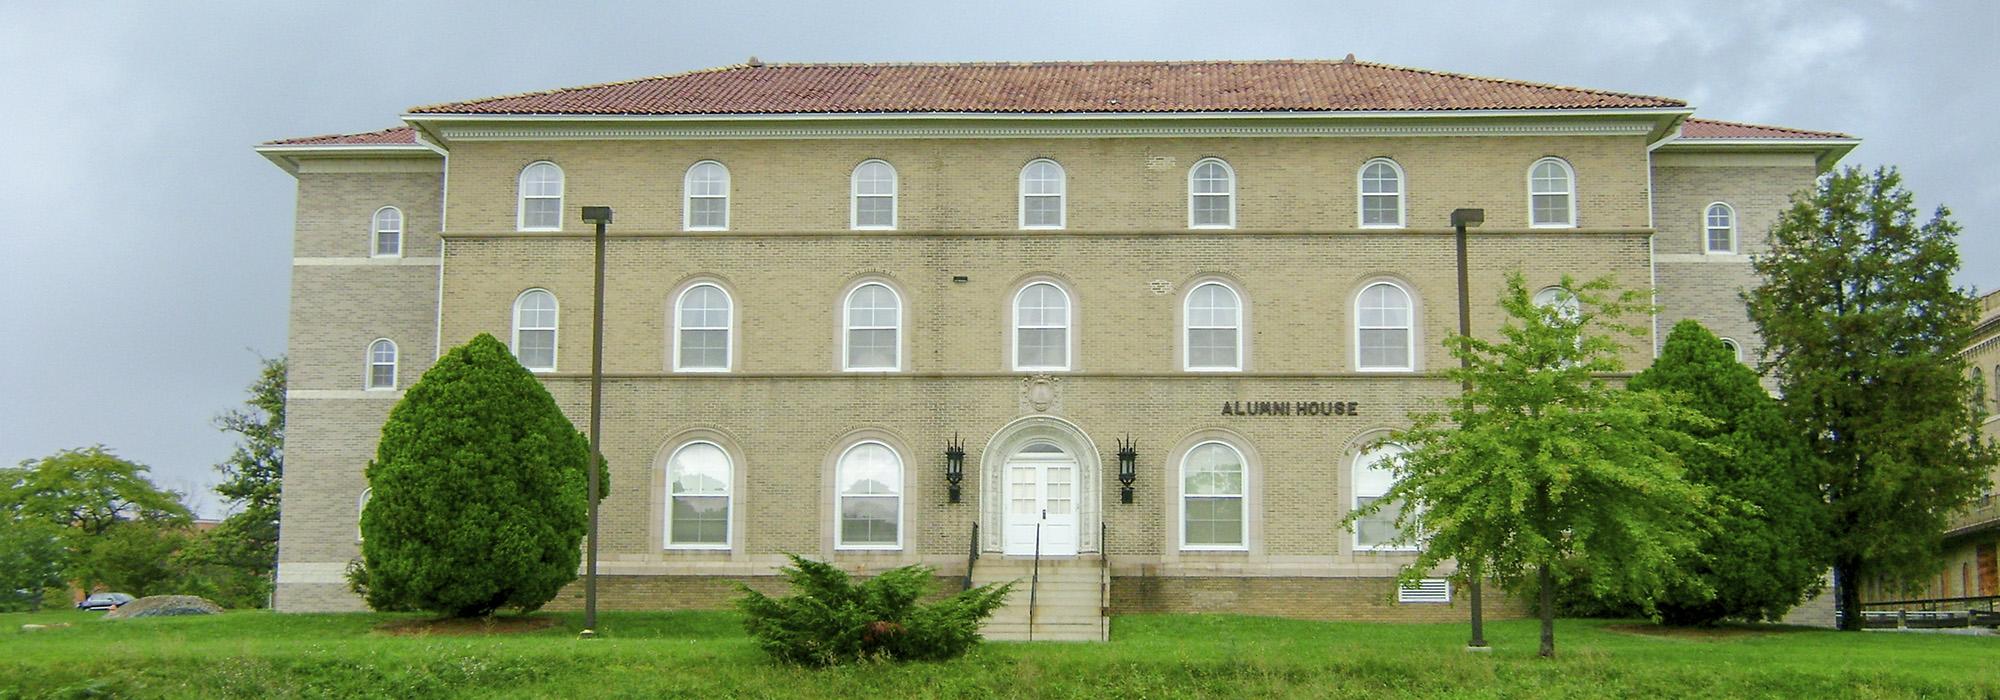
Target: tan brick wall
point(336, 211)
point(1708, 288)
point(1355, 599)
point(1130, 184)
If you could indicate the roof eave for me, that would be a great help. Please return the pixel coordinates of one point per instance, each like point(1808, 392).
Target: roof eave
point(286, 156)
point(423, 117)
point(1828, 151)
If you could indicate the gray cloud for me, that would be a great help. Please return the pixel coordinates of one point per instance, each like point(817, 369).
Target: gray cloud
point(147, 260)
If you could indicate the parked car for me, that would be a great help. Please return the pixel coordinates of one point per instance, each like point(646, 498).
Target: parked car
point(104, 601)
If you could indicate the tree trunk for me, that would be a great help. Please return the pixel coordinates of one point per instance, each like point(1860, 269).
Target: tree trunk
point(1847, 586)
point(1548, 610)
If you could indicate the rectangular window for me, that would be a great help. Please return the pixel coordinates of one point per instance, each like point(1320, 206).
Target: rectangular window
point(537, 349)
point(541, 212)
point(1212, 347)
point(1214, 521)
point(1380, 210)
point(1043, 347)
point(1041, 211)
point(382, 376)
point(1718, 240)
point(868, 520)
point(1551, 210)
point(705, 349)
point(874, 211)
point(701, 520)
point(1385, 347)
point(1378, 529)
point(1211, 210)
point(871, 348)
point(708, 212)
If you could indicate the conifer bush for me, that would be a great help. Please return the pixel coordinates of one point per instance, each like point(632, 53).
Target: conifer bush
point(829, 619)
point(478, 500)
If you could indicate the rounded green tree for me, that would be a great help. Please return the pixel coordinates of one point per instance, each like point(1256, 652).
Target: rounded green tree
point(1766, 552)
point(478, 486)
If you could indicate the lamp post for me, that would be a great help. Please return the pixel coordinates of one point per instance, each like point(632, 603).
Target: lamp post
point(1462, 219)
point(601, 216)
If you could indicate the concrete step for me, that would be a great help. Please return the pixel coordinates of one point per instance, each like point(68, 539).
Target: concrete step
point(1044, 633)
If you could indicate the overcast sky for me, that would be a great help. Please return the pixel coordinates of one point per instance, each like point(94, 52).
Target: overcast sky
point(146, 261)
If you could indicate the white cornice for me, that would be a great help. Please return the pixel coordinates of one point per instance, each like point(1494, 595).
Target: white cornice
point(287, 155)
point(588, 131)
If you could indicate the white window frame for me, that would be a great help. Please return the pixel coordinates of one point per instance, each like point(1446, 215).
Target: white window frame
point(1188, 327)
point(521, 203)
point(728, 494)
point(1244, 498)
point(373, 361)
point(1410, 330)
point(361, 506)
point(840, 495)
point(855, 195)
point(1068, 327)
point(1361, 194)
point(555, 330)
point(729, 329)
point(1708, 229)
point(377, 230)
point(847, 326)
point(1229, 194)
point(688, 196)
point(1569, 178)
point(1061, 196)
point(1354, 497)
point(1735, 348)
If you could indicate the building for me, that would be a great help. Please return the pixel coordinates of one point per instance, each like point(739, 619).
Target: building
point(824, 277)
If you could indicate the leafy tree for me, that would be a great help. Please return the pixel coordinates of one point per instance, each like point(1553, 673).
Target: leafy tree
point(32, 561)
point(103, 507)
point(479, 491)
point(135, 557)
point(1862, 328)
point(1765, 554)
point(1544, 466)
point(235, 560)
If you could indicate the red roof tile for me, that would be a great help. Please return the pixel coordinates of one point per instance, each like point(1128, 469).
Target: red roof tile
point(1711, 129)
point(1094, 87)
point(396, 136)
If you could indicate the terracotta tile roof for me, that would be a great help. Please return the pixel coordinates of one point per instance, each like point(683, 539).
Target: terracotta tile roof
point(1099, 87)
point(1711, 129)
point(395, 136)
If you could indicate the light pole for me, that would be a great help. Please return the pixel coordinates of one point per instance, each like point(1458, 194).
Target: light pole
point(602, 217)
point(1462, 219)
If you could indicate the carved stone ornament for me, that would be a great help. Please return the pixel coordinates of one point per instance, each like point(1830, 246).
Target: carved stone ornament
point(1040, 393)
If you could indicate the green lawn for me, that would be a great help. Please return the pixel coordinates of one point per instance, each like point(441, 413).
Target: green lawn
point(266, 655)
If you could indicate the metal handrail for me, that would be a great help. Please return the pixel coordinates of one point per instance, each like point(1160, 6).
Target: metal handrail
point(972, 556)
point(1034, 581)
point(1103, 581)
point(1971, 603)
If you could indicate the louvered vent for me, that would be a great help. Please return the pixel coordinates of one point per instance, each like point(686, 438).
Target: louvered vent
point(1430, 590)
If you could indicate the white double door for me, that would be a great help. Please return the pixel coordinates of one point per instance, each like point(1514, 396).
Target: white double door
point(1041, 502)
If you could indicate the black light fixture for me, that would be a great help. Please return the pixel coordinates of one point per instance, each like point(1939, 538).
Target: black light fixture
point(1461, 219)
point(1128, 467)
point(601, 216)
point(954, 464)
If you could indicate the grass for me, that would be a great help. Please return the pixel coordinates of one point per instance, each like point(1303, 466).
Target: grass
point(705, 654)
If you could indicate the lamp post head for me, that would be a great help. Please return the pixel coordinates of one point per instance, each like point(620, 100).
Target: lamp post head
point(597, 215)
point(1467, 218)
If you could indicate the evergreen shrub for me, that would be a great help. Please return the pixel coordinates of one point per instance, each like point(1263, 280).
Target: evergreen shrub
point(830, 619)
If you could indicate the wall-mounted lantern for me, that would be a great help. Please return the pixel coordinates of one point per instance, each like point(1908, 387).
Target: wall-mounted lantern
point(954, 464)
point(1128, 467)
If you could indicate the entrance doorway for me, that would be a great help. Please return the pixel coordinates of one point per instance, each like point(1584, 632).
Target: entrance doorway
point(1041, 501)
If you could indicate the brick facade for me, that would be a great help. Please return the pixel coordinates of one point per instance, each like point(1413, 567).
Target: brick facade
point(786, 410)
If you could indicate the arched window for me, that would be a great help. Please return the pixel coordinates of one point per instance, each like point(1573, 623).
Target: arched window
point(1212, 497)
point(707, 188)
point(1043, 186)
point(1720, 224)
point(874, 328)
point(1373, 477)
point(388, 229)
point(871, 497)
point(382, 364)
point(1551, 194)
point(360, 507)
point(874, 190)
point(1211, 194)
point(1383, 328)
point(535, 330)
point(702, 329)
point(698, 493)
point(1735, 350)
point(1561, 300)
point(1213, 338)
point(1381, 194)
point(1978, 389)
point(541, 198)
point(1041, 327)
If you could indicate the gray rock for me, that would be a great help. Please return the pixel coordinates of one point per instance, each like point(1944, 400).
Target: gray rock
point(164, 605)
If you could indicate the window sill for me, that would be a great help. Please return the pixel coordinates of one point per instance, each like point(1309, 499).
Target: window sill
point(1236, 549)
point(1380, 227)
point(865, 548)
point(695, 548)
point(704, 228)
point(1386, 370)
point(1212, 370)
point(701, 370)
point(1213, 227)
point(1551, 226)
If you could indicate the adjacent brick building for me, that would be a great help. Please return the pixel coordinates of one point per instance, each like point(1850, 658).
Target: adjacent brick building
point(820, 277)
